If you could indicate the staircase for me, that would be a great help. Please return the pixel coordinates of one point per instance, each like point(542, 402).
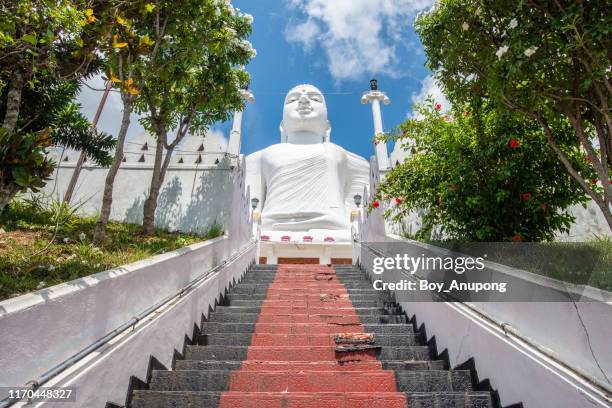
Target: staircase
point(308, 336)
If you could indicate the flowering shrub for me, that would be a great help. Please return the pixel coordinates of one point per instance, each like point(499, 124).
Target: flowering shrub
point(285, 238)
point(329, 239)
point(544, 61)
point(264, 238)
point(307, 238)
point(473, 184)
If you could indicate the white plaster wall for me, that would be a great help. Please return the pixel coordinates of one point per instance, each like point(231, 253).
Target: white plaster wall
point(191, 199)
point(41, 329)
point(106, 377)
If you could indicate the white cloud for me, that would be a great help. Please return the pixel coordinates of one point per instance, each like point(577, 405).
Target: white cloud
point(358, 36)
point(429, 87)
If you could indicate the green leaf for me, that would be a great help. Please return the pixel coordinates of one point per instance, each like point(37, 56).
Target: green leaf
point(30, 38)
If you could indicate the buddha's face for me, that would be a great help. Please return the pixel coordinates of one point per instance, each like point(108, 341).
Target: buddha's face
point(305, 111)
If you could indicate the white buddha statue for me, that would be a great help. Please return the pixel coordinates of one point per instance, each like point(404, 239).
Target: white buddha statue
point(306, 183)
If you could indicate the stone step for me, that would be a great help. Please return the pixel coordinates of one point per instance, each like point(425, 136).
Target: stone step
point(470, 399)
point(309, 353)
point(190, 399)
point(434, 380)
point(246, 339)
point(291, 381)
point(310, 288)
point(304, 328)
point(413, 365)
point(330, 318)
point(321, 308)
point(308, 366)
point(382, 296)
point(207, 365)
point(284, 365)
point(286, 303)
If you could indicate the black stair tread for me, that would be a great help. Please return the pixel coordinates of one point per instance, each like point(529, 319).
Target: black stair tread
point(253, 317)
point(236, 365)
point(433, 380)
point(218, 380)
point(469, 399)
point(238, 353)
point(185, 399)
point(207, 365)
point(234, 327)
point(245, 339)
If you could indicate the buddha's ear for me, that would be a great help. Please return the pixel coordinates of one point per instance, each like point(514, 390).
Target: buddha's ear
point(327, 137)
point(282, 131)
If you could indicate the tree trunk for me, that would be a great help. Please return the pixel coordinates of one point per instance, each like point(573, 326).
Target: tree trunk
point(83, 156)
point(13, 102)
point(7, 192)
point(107, 199)
point(159, 174)
point(150, 205)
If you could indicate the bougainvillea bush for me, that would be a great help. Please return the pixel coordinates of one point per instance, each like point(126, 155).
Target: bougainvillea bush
point(479, 175)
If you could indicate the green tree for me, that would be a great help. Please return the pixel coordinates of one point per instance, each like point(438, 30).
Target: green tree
point(48, 116)
point(193, 81)
point(481, 176)
point(547, 60)
point(40, 38)
point(45, 46)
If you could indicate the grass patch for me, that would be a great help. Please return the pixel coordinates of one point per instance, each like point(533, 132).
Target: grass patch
point(43, 245)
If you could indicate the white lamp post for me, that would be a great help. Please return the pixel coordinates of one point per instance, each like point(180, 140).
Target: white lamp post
point(374, 96)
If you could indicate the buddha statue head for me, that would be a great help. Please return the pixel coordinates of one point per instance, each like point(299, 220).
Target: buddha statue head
point(305, 116)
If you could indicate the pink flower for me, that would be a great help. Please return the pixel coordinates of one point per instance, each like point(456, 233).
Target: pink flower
point(285, 238)
point(517, 238)
point(307, 238)
point(398, 200)
point(329, 239)
point(526, 196)
point(264, 238)
point(375, 204)
point(513, 143)
point(438, 106)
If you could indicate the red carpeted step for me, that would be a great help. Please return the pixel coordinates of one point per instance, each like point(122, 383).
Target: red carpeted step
point(312, 400)
point(292, 360)
point(320, 381)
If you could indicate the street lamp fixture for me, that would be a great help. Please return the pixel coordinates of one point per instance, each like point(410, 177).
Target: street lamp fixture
point(357, 199)
point(254, 203)
point(374, 85)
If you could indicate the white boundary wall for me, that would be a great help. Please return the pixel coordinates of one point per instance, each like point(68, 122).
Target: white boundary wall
point(105, 376)
point(191, 199)
point(42, 329)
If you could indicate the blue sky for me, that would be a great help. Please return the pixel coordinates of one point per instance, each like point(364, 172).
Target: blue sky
point(338, 46)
